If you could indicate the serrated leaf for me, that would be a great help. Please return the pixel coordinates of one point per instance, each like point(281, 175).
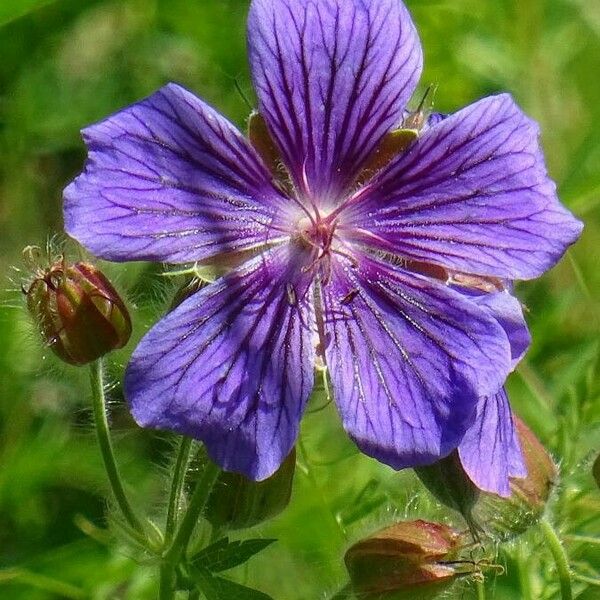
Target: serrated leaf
point(217, 588)
point(223, 554)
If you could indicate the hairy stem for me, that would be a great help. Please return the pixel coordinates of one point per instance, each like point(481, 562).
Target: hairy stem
point(560, 559)
point(180, 542)
point(181, 463)
point(106, 449)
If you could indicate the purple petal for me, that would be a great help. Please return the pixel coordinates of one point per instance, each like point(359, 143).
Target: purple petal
point(408, 359)
point(490, 451)
point(472, 195)
point(332, 77)
point(508, 312)
point(232, 365)
point(169, 179)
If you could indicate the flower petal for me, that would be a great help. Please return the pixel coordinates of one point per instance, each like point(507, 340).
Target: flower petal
point(408, 359)
point(508, 312)
point(332, 77)
point(490, 451)
point(169, 179)
point(472, 194)
point(232, 365)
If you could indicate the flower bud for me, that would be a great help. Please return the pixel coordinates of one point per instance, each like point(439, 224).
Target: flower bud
point(410, 560)
point(79, 313)
point(505, 518)
point(236, 502)
point(501, 518)
point(448, 482)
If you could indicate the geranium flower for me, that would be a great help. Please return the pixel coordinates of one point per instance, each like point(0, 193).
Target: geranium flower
point(357, 272)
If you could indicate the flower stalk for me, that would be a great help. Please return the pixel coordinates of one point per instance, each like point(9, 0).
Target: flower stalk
point(176, 550)
point(560, 559)
point(106, 449)
point(183, 456)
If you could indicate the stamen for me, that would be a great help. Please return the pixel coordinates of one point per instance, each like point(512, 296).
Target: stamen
point(292, 298)
point(347, 299)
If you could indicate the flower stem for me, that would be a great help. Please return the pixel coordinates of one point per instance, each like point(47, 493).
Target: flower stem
point(181, 463)
point(560, 559)
point(106, 449)
point(180, 542)
point(480, 590)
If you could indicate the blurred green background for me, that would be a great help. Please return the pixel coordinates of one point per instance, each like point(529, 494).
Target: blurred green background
point(67, 63)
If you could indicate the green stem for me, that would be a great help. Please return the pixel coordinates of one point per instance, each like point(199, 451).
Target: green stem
point(480, 590)
point(582, 539)
point(179, 545)
point(524, 574)
point(106, 449)
point(181, 464)
point(560, 559)
point(585, 579)
point(42, 582)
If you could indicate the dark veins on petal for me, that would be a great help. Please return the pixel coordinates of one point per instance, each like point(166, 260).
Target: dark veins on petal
point(332, 77)
point(170, 179)
point(232, 365)
point(490, 451)
point(472, 195)
point(408, 359)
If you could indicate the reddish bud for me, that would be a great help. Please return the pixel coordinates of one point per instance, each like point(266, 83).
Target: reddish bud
point(411, 559)
point(79, 313)
point(501, 518)
point(504, 518)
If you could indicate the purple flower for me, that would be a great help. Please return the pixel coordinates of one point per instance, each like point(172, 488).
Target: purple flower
point(358, 275)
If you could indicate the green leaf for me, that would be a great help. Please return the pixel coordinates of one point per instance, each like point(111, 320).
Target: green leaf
point(13, 9)
point(217, 588)
point(223, 554)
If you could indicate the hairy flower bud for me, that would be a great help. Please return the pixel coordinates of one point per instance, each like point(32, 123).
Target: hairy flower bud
point(410, 560)
point(501, 518)
point(505, 518)
point(79, 313)
point(236, 502)
point(448, 482)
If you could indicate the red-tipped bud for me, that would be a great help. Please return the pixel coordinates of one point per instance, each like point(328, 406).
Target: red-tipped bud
point(501, 518)
point(79, 313)
point(411, 559)
point(236, 502)
point(504, 518)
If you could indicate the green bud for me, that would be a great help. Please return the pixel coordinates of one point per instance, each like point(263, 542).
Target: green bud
point(236, 502)
point(413, 560)
point(500, 518)
point(448, 482)
point(79, 313)
point(505, 518)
